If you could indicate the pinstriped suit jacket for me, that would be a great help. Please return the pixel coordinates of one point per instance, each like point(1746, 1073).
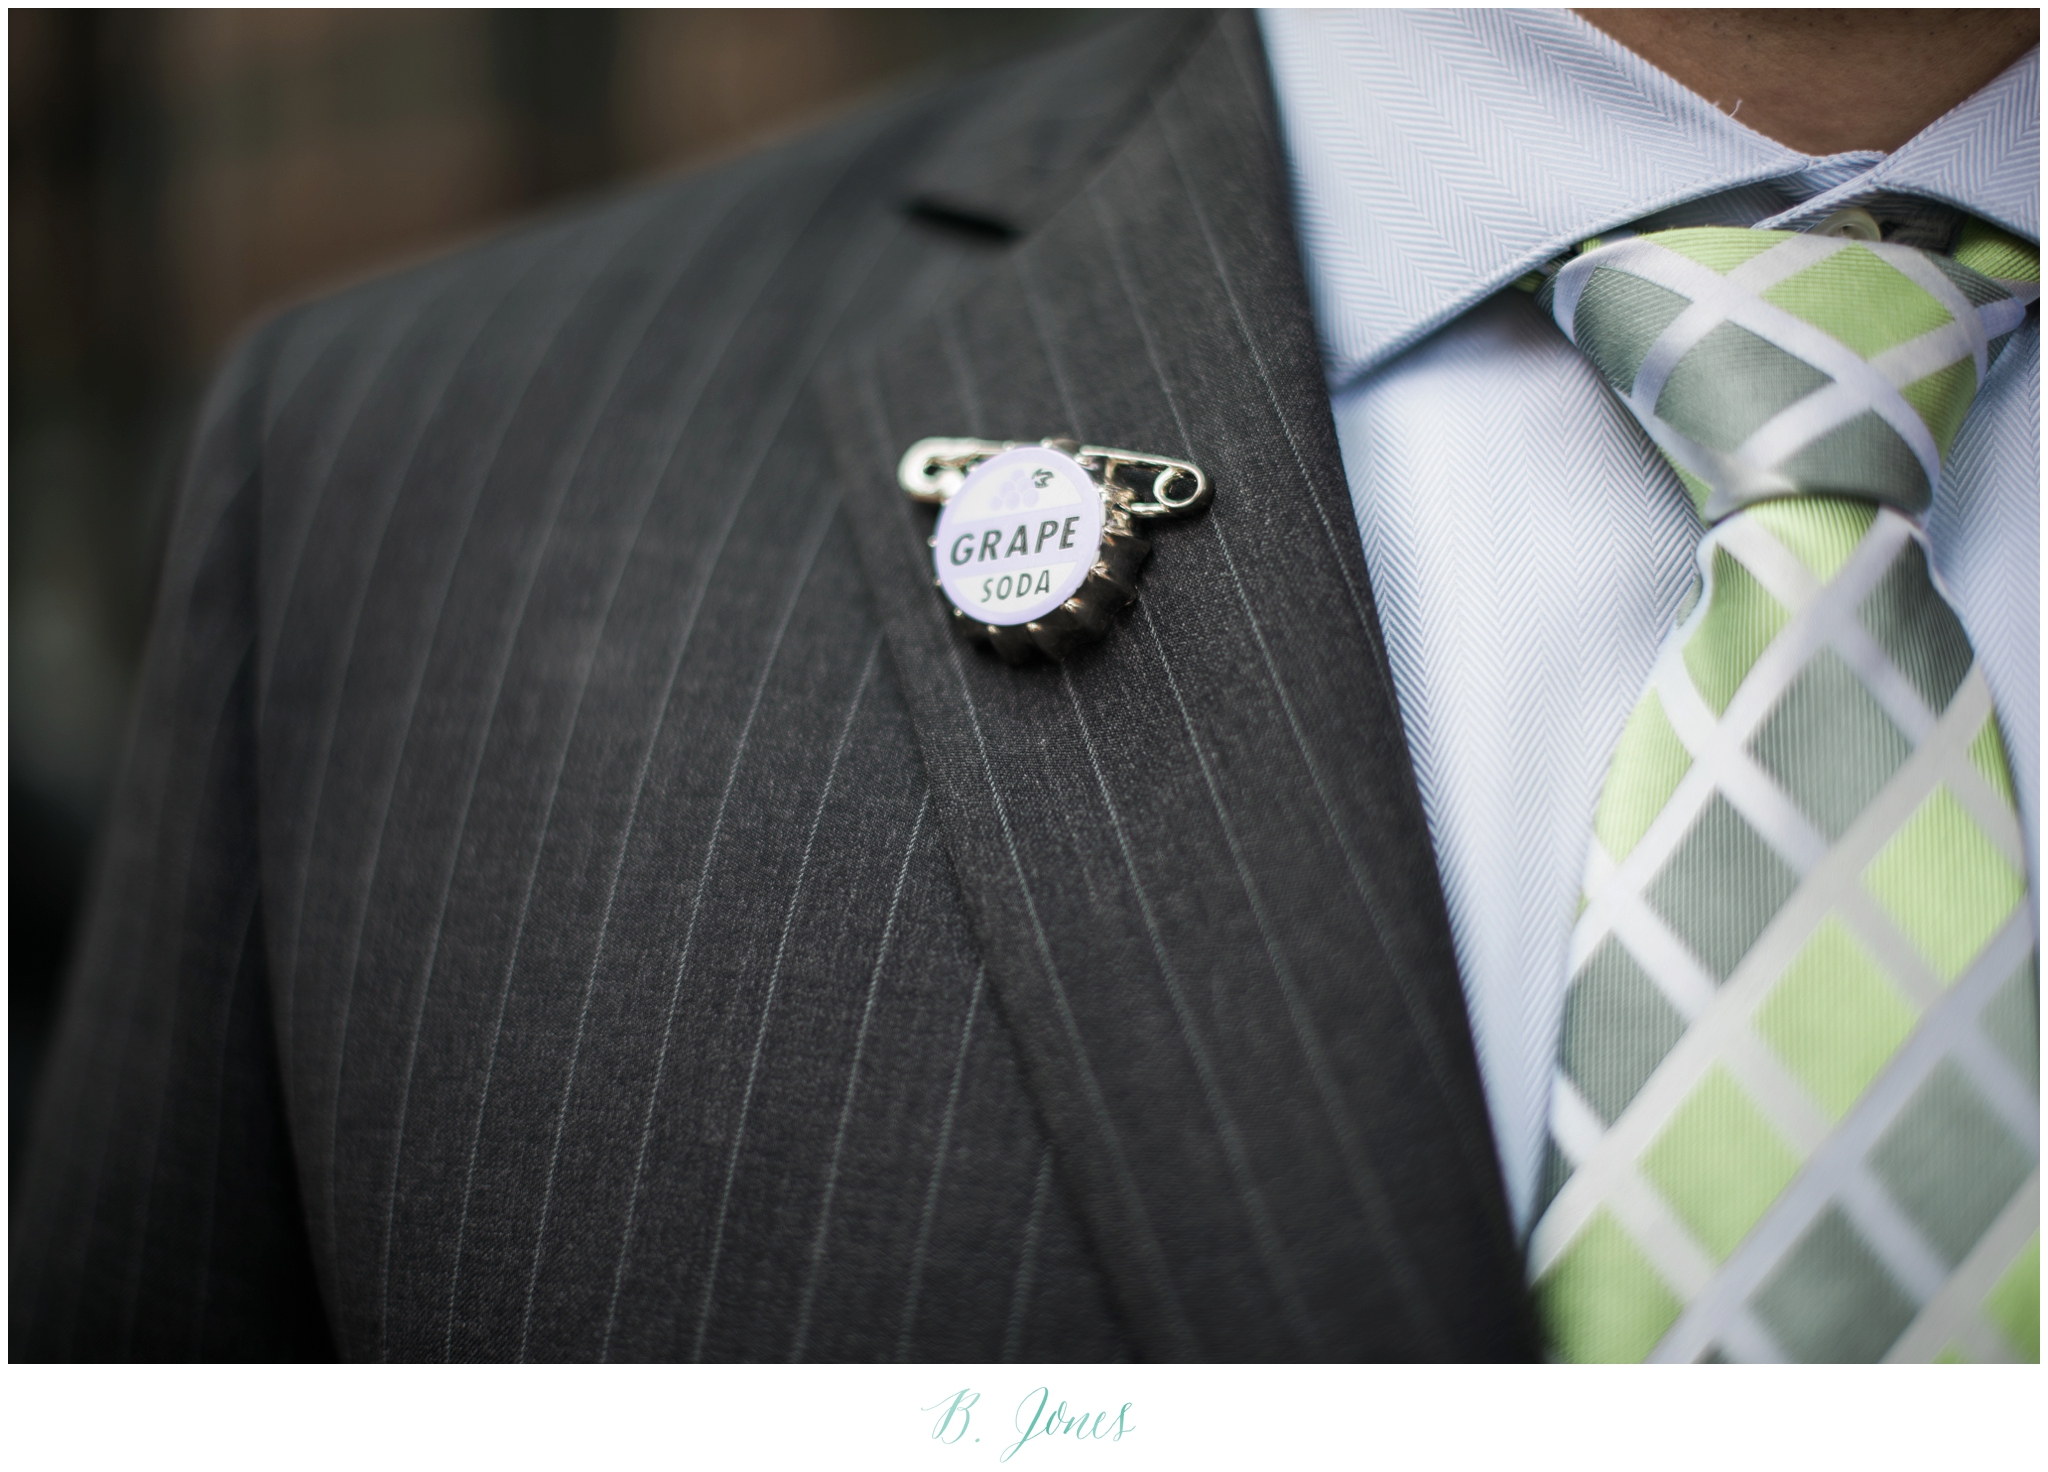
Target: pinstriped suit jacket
point(570, 894)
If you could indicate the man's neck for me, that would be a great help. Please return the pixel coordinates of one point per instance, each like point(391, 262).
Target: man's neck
point(1828, 81)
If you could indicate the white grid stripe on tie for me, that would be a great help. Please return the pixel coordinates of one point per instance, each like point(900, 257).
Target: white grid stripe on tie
point(1880, 935)
point(1954, 1316)
point(1770, 1086)
point(1685, 1266)
point(1814, 1189)
point(1708, 1040)
point(1574, 1124)
point(1931, 279)
point(1889, 1234)
point(1987, 808)
point(1718, 298)
point(1678, 977)
point(1718, 746)
point(1912, 360)
point(1746, 1341)
point(1769, 561)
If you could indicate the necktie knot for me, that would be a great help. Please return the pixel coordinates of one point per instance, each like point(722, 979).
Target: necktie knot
point(1767, 364)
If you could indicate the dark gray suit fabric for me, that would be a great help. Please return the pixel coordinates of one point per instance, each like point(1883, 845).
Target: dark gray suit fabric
point(1195, 853)
point(571, 897)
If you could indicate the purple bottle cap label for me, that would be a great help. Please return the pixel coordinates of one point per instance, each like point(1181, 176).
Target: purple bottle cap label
point(1019, 536)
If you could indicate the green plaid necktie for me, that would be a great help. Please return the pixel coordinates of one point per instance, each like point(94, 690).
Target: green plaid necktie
point(1795, 1112)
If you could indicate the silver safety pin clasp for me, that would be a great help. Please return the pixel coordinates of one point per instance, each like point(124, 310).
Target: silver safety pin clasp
point(933, 469)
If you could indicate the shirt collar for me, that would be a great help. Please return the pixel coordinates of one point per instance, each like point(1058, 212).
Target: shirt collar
point(1437, 155)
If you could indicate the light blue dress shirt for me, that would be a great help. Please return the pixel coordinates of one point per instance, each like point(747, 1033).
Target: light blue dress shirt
point(1527, 545)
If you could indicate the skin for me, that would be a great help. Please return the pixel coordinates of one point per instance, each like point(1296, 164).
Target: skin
point(1828, 81)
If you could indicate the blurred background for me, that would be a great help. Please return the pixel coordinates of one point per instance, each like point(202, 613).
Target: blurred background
point(174, 175)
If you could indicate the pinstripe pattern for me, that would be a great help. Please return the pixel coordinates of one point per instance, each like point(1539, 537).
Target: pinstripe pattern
point(679, 946)
point(1369, 1188)
point(1140, 922)
point(240, 1284)
point(921, 1253)
point(853, 1078)
point(411, 709)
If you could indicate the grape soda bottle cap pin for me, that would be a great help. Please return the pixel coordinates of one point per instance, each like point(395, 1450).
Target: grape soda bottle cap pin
point(1037, 545)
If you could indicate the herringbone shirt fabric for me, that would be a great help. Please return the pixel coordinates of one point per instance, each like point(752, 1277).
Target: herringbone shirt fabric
point(1436, 156)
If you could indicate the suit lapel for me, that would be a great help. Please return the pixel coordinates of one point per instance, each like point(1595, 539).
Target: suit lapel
point(1194, 853)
